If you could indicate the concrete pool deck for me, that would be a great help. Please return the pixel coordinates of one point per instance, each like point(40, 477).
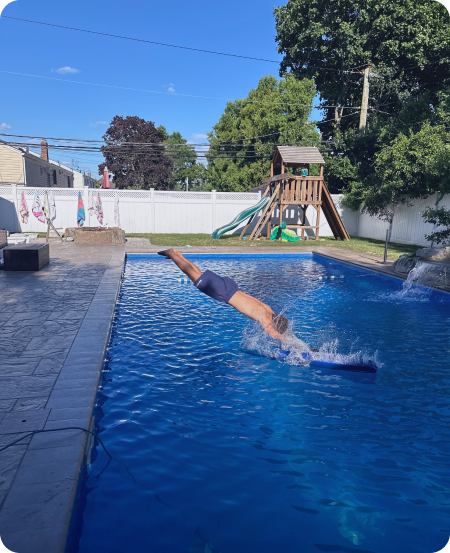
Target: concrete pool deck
point(55, 328)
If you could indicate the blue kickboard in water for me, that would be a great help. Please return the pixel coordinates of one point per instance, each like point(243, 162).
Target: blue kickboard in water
point(367, 368)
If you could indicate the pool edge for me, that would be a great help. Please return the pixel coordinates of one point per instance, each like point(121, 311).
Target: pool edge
point(39, 515)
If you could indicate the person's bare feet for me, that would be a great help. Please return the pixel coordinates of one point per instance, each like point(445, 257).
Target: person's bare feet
point(167, 253)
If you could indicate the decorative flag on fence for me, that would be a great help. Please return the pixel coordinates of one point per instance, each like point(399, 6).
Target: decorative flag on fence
point(116, 210)
point(37, 208)
point(99, 208)
point(81, 216)
point(46, 208)
point(52, 211)
point(24, 209)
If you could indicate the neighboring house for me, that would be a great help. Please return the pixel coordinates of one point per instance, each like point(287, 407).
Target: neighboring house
point(80, 180)
point(20, 166)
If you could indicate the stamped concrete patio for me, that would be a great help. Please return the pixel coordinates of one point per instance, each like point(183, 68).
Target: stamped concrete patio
point(54, 327)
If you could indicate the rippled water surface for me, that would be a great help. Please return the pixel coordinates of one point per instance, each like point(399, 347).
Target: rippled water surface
point(236, 453)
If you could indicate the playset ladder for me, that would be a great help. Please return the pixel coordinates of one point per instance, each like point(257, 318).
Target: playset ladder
point(266, 214)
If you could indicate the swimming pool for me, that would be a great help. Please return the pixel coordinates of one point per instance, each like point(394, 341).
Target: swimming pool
point(238, 453)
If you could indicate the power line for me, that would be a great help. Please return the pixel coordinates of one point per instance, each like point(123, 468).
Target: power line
point(173, 93)
point(158, 144)
point(158, 43)
point(140, 40)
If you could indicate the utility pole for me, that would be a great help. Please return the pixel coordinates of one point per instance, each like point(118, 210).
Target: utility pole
point(187, 184)
point(365, 100)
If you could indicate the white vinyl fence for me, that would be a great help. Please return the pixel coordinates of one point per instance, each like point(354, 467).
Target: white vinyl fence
point(408, 227)
point(151, 211)
point(141, 211)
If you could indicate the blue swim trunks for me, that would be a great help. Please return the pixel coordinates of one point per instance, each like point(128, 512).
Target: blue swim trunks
point(216, 287)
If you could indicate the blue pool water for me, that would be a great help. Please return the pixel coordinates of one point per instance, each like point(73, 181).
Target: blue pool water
point(237, 453)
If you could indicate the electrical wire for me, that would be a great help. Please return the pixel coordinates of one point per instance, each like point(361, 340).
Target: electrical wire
point(140, 40)
point(248, 100)
point(163, 43)
point(95, 435)
point(165, 144)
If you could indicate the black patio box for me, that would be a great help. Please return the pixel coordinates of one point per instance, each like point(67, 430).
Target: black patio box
point(3, 239)
point(26, 257)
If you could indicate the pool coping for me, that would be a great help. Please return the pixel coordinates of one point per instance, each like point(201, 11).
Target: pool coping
point(38, 511)
point(37, 514)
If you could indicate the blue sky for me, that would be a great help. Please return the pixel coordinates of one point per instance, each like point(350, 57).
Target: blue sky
point(33, 106)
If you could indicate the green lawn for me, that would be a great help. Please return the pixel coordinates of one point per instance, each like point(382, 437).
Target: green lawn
point(366, 245)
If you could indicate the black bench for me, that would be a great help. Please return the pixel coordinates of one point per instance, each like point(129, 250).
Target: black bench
point(26, 257)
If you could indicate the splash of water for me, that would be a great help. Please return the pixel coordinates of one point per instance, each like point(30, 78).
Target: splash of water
point(416, 276)
point(256, 342)
point(415, 287)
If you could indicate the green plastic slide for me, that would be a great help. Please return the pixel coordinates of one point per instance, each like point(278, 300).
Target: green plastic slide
point(243, 216)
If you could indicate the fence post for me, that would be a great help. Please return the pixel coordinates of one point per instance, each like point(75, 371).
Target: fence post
point(16, 204)
point(213, 211)
point(87, 206)
point(152, 211)
point(84, 195)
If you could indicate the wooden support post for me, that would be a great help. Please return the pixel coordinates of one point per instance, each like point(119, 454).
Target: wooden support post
point(50, 224)
point(280, 205)
point(365, 101)
point(303, 208)
point(252, 217)
point(271, 168)
point(246, 227)
point(317, 222)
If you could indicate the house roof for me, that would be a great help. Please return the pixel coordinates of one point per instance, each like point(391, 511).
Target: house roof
point(292, 155)
point(24, 152)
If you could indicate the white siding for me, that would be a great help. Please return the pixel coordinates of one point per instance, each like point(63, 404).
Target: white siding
point(80, 180)
point(11, 165)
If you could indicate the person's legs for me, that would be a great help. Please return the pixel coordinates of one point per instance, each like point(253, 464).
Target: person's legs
point(188, 268)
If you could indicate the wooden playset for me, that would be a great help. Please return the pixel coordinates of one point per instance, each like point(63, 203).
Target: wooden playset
point(286, 190)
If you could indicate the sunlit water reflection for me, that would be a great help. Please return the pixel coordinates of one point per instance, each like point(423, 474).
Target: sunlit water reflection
point(240, 453)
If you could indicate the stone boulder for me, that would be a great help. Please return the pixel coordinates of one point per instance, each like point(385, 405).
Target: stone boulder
point(405, 264)
point(96, 235)
point(434, 254)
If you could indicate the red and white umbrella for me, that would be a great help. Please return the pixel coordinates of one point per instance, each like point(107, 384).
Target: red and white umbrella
point(105, 177)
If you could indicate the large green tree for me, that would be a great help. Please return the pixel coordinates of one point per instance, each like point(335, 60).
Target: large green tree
point(403, 153)
point(243, 141)
point(407, 41)
point(405, 168)
point(185, 162)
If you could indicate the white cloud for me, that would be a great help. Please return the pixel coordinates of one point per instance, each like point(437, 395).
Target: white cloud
point(5, 127)
point(199, 136)
point(66, 70)
point(171, 89)
point(97, 123)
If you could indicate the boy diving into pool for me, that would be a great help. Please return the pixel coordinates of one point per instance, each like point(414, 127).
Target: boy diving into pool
point(226, 290)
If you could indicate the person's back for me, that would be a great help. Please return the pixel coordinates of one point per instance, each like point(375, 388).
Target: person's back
point(225, 289)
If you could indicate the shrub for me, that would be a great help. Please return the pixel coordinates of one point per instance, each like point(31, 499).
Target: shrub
point(440, 217)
